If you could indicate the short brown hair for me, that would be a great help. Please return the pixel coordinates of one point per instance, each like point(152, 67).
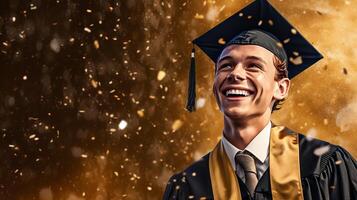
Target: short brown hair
point(281, 72)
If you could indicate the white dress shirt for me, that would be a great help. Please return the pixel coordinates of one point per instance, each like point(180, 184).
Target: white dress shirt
point(258, 147)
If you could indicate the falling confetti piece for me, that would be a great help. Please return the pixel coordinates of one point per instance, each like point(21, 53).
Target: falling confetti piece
point(198, 16)
point(325, 121)
point(296, 61)
point(24, 78)
point(94, 83)
point(122, 124)
point(311, 134)
point(200, 102)
point(140, 112)
point(338, 162)
point(176, 125)
point(86, 29)
point(321, 150)
point(161, 75)
point(293, 31)
point(221, 41)
point(212, 13)
point(55, 45)
point(32, 136)
point(96, 44)
point(149, 188)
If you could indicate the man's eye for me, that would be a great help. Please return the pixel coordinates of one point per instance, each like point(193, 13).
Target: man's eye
point(254, 65)
point(227, 65)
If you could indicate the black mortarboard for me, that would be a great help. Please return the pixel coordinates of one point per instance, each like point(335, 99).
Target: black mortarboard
point(260, 24)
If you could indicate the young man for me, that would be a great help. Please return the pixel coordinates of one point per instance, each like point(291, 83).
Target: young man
point(256, 159)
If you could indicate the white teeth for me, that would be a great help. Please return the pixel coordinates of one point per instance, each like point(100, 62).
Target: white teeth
point(237, 92)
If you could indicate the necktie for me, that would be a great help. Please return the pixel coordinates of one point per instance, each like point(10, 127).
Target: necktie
point(247, 163)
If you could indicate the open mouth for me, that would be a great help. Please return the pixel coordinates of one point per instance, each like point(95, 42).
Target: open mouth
point(236, 93)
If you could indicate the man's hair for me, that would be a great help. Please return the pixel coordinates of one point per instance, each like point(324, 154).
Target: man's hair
point(281, 72)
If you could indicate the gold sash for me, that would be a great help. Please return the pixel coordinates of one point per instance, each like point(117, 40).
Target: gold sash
point(284, 166)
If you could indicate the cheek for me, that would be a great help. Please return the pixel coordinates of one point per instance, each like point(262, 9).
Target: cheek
point(264, 86)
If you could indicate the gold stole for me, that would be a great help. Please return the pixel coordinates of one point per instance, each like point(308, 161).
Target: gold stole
point(284, 166)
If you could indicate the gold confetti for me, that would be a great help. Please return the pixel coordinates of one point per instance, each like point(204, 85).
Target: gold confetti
point(321, 150)
point(122, 124)
point(96, 44)
point(271, 23)
point(279, 44)
point(296, 61)
point(86, 29)
point(32, 136)
point(176, 125)
point(161, 75)
point(94, 83)
point(338, 162)
point(221, 41)
point(293, 31)
point(286, 41)
point(198, 16)
point(325, 121)
point(140, 112)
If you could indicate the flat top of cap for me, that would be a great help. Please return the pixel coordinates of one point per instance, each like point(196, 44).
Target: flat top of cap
point(260, 14)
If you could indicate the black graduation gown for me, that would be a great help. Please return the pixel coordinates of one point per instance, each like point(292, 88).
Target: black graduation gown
point(332, 175)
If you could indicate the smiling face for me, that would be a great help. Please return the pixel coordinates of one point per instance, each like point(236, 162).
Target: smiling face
point(245, 82)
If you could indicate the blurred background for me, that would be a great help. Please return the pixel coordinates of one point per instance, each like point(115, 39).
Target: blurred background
point(92, 93)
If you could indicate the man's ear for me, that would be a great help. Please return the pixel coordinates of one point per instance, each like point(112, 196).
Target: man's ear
point(281, 89)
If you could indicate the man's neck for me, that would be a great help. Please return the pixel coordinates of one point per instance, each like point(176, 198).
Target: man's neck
point(241, 132)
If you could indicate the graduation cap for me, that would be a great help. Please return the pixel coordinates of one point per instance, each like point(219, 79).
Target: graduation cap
point(259, 23)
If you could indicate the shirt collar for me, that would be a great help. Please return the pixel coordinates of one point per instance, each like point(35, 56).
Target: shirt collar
point(259, 146)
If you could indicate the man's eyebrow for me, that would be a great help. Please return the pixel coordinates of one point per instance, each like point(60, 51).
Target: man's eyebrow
point(256, 58)
point(224, 58)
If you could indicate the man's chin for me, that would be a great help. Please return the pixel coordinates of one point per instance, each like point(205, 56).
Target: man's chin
point(235, 113)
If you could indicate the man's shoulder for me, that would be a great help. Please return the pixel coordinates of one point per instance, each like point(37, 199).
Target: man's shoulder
point(192, 181)
point(316, 155)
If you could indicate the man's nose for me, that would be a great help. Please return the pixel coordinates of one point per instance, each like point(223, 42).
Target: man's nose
point(238, 73)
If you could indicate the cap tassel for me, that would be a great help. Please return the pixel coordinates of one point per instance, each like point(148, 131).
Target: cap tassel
point(191, 99)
